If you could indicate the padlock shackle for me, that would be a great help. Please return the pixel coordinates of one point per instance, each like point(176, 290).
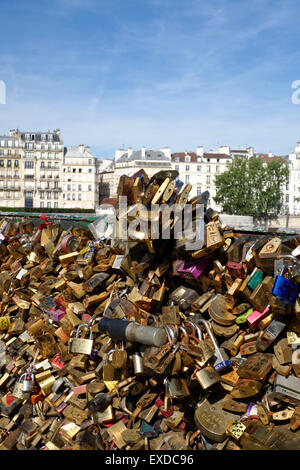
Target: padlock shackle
point(185, 333)
point(109, 354)
point(81, 326)
point(171, 334)
point(197, 328)
point(210, 334)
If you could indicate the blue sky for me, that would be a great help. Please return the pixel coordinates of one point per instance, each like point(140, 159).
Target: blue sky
point(176, 73)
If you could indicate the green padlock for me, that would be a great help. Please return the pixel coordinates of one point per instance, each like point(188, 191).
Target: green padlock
point(255, 279)
point(243, 318)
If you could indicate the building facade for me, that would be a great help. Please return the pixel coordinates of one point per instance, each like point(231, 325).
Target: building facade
point(41, 159)
point(11, 172)
point(79, 179)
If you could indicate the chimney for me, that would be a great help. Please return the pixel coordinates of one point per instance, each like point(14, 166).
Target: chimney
point(143, 152)
point(129, 151)
point(88, 148)
point(81, 148)
point(200, 151)
point(224, 149)
point(57, 132)
point(167, 152)
point(270, 154)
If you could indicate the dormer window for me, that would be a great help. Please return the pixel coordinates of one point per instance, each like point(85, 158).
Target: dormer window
point(187, 158)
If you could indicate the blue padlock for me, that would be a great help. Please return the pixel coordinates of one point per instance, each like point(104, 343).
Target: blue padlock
point(285, 289)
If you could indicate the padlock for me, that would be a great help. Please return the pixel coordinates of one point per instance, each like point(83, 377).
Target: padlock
point(207, 377)
point(119, 358)
point(270, 334)
point(111, 375)
point(203, 347)
point(221, 361)
point(18, 389)
point(284, 288)
point(28, 381)
point(80, 345)
point(138, 364)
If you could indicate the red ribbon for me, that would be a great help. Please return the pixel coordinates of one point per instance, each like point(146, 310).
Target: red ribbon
point(45, 219)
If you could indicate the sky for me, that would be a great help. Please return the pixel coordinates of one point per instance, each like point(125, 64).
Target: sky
point(179, 73)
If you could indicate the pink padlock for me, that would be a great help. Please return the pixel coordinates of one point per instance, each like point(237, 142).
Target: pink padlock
point(254, 318)
point(192, 269)
point(296, 252)
point(56, 315)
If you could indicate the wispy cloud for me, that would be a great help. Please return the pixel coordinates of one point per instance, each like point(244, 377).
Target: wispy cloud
point(153, 72)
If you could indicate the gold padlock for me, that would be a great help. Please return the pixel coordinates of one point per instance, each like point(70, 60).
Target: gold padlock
point(81, 345)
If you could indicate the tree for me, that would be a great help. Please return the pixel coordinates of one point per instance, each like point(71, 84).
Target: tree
point(252, 187)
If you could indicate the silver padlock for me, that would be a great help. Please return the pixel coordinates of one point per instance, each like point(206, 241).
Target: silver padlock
point(138, 364)
point(81, 345)
point(221, 361)
point(28, 381)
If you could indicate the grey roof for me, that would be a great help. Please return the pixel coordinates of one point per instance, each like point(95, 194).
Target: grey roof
point(137, 155)
point(38, 136)
point(75, 152)
point(6, 138)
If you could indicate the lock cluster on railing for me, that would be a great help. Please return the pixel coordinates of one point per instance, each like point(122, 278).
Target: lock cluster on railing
point(147, 343)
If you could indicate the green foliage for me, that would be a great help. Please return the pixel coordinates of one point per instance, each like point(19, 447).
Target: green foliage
point(252, 187)
point(47, 210)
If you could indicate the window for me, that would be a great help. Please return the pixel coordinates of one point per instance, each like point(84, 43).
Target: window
point(8, 194)
point(49, 195)
point(73, 187)
point(176, 167)
point(55, 195)
point(69, 197)
point(55, 205)
point(16, 195)
point(187, 167)
point(42, 164)
point(9, 163)
point(29, 165)
point(42, 204)
point(89, 187)
point(90, 170)
point(74, 170)
point(42, 146)
point(207, 179)
point(49, 164)
point(55, 164)
point(69, 187)
point(16, 163)
point(1, 162)
point(79, 197)
point(64, 196)
point(49, 205)
point(42, 155)
point(69, 169)
point(286, 198)
point(208, 169)
point(49, 146)
point(287, 186)
point(73, 197)
point(8, 152)
point(217, 169)
point(56, 147)
point(16, 174)
point(198, 167)
point(1, 152)
point(29, 154)
point(56, 156)
point(55, 184)
point(42, 195)
point(187, 158)
point(198, 189)
point(79, 187)
point(49, 156)
point(90, 161)
point(187, 178)
point(79, 170)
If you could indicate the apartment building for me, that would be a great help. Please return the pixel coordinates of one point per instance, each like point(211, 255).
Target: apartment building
point(11, 172)
point(79, 179)
point(200, 168)
point(127, 162)
point(292, 189)
point(41, 160)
